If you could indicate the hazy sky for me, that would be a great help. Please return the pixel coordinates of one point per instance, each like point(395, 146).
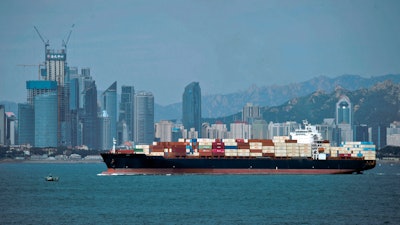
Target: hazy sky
point(226, 45)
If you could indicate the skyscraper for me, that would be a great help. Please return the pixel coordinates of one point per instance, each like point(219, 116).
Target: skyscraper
point(45, 106)
point(250, 112)
point(56, 70)
point(89, 115)
point(109, 104)
point(344, 119)
point(143, 118)
point(104, 131)
point(126, 109)
point(26, 124)
point(191, 107)
point(2, 124)
point(343, 111)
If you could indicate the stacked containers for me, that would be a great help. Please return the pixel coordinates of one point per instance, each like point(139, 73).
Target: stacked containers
point(231, 147)
point(280, 146)
point(305, 150)
point(157, 150)
point(218, 148)
point(292, 149)
point(145, 149)
point(243, 148)
point(178, 149)
point(268, 148)
point(205, 147)
point(255, 147)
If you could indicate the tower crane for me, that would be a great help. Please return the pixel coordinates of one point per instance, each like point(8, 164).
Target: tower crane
point(33, 65)
point(65, 43)
point(46, 43)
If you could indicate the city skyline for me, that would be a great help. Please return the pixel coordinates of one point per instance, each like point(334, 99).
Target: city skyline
point(160, 48)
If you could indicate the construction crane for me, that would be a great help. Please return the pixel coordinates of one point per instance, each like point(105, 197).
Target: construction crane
point(65, 43)
point(33, 65)
point(45, 42)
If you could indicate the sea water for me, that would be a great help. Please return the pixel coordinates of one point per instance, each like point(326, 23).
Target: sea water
point(81, 196)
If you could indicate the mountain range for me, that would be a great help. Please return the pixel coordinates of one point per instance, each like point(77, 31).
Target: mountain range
point(221, 105)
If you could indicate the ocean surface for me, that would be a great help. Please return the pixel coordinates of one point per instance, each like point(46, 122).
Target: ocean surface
point(83, 197)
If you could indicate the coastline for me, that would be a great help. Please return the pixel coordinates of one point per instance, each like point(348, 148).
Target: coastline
point(83, 161)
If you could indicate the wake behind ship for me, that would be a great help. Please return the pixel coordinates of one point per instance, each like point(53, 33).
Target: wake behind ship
point(301, 153)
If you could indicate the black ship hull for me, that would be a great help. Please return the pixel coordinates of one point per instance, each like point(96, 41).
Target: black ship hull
point(124, 164)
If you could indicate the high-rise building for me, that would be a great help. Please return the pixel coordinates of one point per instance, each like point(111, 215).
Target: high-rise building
point(250, 112)
point(55, 62)
point(163, 130)
point(344, 118)
point(259, 129)
point(191, 107)
point(10, 128)
point(104, 130)
point(45, 107)
point(361, 133)
point(74, 112)
point(109, 104)
point(56, 69)
point(240, 130)
point(89, 118)
point(26, 124)
point(143, 118)
point(2, 125)
point(37, 87)
point(126, 109)
point(217, 130)
point(393, 134)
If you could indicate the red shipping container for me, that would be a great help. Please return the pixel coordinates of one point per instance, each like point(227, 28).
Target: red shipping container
point(125, 151)
point(205, 152)
point(255, 150)
point(218, 152)
point(268, 154)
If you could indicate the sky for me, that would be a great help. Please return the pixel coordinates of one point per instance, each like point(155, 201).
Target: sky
point(227, 45)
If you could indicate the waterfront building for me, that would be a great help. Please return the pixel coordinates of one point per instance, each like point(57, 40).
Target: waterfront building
point(163, 131)
point(89, 118)
point(143, 118)
point(215, 131)
point(361, 133)
point(11, 119)
point(75, 139)
point(38, 87)
point(344, 119)
point(240, 130)
point(191, 107)
point(281, 129)
point(259, 129)
point(126, 110)
point(2, 124)
point(250, 112)
point(393, 134)
point(104, 131)
point(46, 117)
point(109, 104)
point(26, 124)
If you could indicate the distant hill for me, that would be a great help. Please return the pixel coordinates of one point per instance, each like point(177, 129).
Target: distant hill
point(214, 106)
point(378, 105)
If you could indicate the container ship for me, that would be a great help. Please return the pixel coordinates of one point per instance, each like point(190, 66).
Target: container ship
point(302, 152)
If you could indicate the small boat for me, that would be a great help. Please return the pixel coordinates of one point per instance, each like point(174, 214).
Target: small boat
point(51, 178)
